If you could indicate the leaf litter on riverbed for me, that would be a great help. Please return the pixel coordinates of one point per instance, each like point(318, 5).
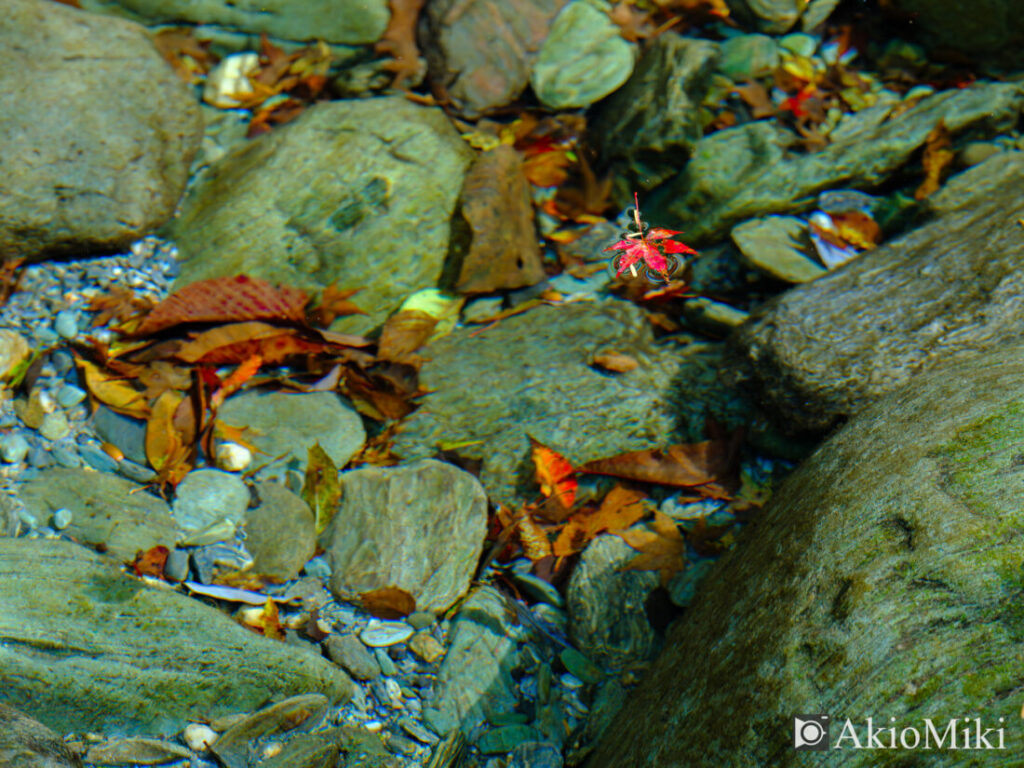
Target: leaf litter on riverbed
point(174, 365)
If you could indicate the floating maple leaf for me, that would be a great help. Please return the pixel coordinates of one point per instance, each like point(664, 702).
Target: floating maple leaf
point(648, 247)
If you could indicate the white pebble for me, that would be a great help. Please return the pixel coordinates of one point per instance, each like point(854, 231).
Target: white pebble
point(13, 448)
point(66, 324)
point(62, 519)
point(229, 80)
point(233, 457)
point(199, 737)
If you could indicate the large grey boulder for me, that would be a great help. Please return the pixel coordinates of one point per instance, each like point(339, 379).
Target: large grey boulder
point(357, 191)
point(98, 132)
point(883, 580)
point(986, 29)
point(748, 171)
point(333, 21)
point(948, 289)
point(25, 743)
point(534, 374)
point(85, 647)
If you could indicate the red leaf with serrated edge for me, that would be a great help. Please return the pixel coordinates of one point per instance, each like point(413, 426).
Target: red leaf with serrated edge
point(226, 300)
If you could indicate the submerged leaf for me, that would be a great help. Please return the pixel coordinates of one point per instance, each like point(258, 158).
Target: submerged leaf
point(662, 548)
point(620, 509)
point(388, 603)
point(322, 488)
point(555, 475)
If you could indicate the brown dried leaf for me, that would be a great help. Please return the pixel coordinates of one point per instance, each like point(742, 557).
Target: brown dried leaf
point(151, 562)
point(113, 391)
point(204, 343)
point(226, 300)
point(166, 451)
point(403, 333)
point(334, 303)
point(937, 157)
point(662, 548)
point(620, 509)
point(388, 603)
point(683, 466)
point(399, 41)
point(532, 537)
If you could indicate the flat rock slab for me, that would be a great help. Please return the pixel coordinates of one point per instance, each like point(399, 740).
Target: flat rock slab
point(285, 423)
point(333, 21)
point(279, 533)
point(85, 647)
point(360, 191)
point(748, 171)
point(98, 131)
point(26, 743)
point(107, 511)
point(418, 527)
point(882, 580)
point(950, 288)
point(532, 374)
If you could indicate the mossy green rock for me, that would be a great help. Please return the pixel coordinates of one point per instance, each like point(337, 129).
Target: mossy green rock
point(85, 647)
point(356, 191)
point(883, 580)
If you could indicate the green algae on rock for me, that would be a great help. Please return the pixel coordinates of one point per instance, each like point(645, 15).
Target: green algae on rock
point(883, 580)
point(85, 647)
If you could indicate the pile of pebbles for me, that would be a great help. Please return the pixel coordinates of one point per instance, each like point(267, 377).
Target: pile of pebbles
point(394, 664)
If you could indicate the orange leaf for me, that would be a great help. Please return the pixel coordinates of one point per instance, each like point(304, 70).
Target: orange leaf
point(857, 229)
point(334, 303)
point(616, 362)
point(662, 548)
point(547, 169)
point(165, 449)
point(555, 474)
point(227, 336)
point(234, 382)
point(225, 300)
point(270, 621)
point(937, 157)
point(388, 603)
point(619, 510)
point(151, 562)
point(112, 391)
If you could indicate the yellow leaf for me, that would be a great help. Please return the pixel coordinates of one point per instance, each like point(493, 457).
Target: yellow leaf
point(165, 450)
point(111, 391)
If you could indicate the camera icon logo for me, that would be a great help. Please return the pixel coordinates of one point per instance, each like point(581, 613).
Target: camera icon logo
point(810, 732)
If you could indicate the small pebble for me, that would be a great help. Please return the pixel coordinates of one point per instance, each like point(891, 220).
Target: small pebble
point(420, 619)
point(66, 457)
point(401, 745)
point(380, 634)
point(96, 458)
point(417, 731)
point(62, 519)
point(69, 396)
point(66, 324)
point(387, 666)
point(426, 647)
point(233, 457)
point(55, 426)
point(199, 737)
point(176, 568)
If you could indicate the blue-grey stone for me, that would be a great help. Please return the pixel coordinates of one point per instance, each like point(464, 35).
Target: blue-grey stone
point(66, 323)
point(97, 459)
point(62, 362)
point(39, 457)
point(176, 567)
point(69, 396)
point(126, 433)
point(207, 496)
point(136, 472)
point(62, 518)
point(66, 457)
point(13, 447)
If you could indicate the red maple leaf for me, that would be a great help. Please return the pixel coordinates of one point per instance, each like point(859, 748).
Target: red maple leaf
point(648, 247)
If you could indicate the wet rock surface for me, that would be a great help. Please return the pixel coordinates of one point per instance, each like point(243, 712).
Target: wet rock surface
point(113, 174)
point(895, 551)
point(26, 743)
point(122, 642)
point(948, 289)
point(275, 209)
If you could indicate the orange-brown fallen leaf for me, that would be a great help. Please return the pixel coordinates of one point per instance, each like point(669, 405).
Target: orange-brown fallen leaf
point(116, 393)
point(334, 303)
point(269, 621)
point(616, 362)
point(403, 333)
point(620, 509)
point(245, 371)
point(151, 562)
point(662, 548)
point(937, 157)
point(683, 466)
point(399, 42)
point(555, 475)
point(187, 55)
point(388, 603)
point(532, 537)
point(166, 451)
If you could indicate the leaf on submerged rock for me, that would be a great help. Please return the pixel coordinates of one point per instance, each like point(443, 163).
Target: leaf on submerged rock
point(334, 303)
point(112, 391)
point(532, 537)
point(322, 487)
point(662, 548)
point(404, 332)
point(151, 562)
point(166, 450)
point(619, 509)
point(615, 362)
point(388, 603)
point(503, 253)
point(556, 477)
point(245, 371)
point(936, 159)
point(226, 337)
point(226, 300)
point(683, 466)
